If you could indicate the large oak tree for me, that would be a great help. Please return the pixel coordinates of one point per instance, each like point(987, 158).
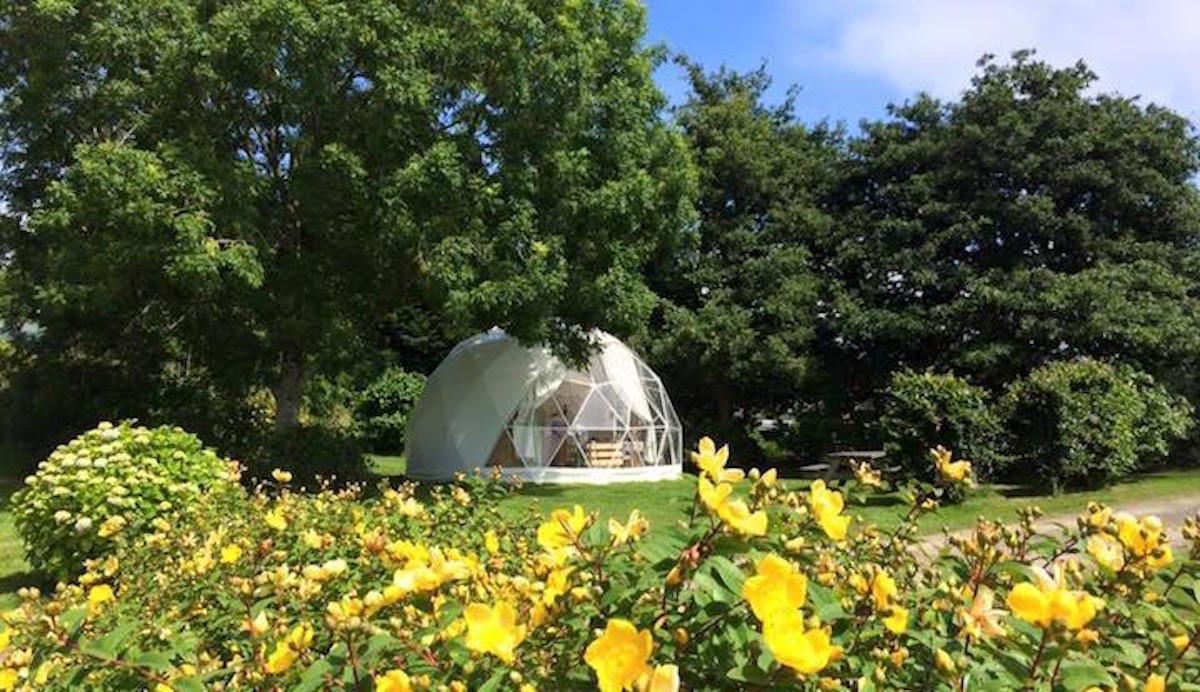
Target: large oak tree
point(204, 197)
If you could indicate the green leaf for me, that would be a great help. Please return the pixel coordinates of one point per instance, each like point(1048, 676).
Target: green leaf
point(154, 660)
point(313, 677)
point(1080, 675)
point(189, 684)
point(109, 645)
point(493, 683)
point(729, 573)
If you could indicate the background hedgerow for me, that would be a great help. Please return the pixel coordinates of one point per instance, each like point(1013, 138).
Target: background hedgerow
point(1088, 423)
point(108, 484)
point(431, 589)
point(923, 406)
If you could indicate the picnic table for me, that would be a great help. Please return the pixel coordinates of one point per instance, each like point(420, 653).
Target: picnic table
point(835, 462)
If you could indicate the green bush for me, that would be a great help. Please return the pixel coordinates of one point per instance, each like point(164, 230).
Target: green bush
point(312, 452)
point(108, 484)
point(921, 409)
point(383, 407)
point(1089, 423)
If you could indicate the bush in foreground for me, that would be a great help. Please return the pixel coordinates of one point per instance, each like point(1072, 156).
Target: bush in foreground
point(107, 484)
point(765, 588)
point(1088, 423)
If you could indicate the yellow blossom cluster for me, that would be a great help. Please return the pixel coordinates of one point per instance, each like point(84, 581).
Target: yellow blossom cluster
point(770, 583)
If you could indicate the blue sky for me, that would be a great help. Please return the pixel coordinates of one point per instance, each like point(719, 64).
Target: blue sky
point(851, 57)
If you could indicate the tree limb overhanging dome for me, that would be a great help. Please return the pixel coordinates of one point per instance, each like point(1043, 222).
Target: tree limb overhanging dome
point(494, 402)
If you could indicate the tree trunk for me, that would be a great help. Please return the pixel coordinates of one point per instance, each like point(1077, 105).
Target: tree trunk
point(289, 392)
point(725, 405)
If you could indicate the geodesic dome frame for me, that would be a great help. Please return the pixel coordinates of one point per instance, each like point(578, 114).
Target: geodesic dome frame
point(493, 402)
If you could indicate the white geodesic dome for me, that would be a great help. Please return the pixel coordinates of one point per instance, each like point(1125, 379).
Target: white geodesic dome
point(495, 403)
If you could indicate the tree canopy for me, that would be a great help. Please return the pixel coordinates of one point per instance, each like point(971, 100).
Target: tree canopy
point(1031, 220)
point(217, 196)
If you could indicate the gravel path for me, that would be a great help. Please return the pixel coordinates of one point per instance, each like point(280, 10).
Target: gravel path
point(1171, 510)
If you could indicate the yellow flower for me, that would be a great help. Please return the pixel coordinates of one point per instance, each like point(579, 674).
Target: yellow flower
point(276, 520)
point(281, 475)
point(883, 589)
point(943, 662)
point(5, 638)
point(951, 471)
point(491, 543)
point(713, 496)
point(982, 620)
point(733, 512)
point(281, 658)
point(768, 478)
point(827, 507)
point(632, 529)
point(867, 475)
point(897, 621)
point(738, 516)
point(493, 630)
point(1098, 516)
point(301, 636)
point(231, 553)
point(777, 586)
point(556, 585)
point(1179, 641)
point(1106, 551)
point(664, 679)
point(1156, 683)
point(562, 529)
point(805, 651)
point(393, 681)
point(1087, 637)
point(97, 596)
point(1050, 601)
point(8, 679)
point(710, 459)
point(258, 626)
point(619, 655)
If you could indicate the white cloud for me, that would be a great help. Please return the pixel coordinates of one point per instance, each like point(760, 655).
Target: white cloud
point(1149, 48)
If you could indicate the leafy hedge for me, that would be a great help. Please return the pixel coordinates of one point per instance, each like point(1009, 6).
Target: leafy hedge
point(766, 587)
point(1088, 423)
point(111, 482)
point(382, 409)
point(923, 406)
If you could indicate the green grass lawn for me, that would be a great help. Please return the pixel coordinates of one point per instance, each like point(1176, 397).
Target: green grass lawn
point(14, 571)
point(666, 502)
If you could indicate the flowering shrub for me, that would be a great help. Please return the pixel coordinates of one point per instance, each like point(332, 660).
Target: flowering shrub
point(107, 484)
point(764, 587)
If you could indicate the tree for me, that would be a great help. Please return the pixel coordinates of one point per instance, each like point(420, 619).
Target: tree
point(241, 193)
point(1032, 220)
point(739, 308)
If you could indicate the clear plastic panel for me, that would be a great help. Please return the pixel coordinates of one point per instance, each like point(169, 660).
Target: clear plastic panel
point(597, 414)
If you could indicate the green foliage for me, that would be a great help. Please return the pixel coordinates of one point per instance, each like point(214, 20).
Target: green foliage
point(218, 199)
point(337, 589)
point(921, 408)
point(109, 485)
point(1088, 423)
point(737, 320)
point(312, 452)
point(1032, 219)
point(381, 412)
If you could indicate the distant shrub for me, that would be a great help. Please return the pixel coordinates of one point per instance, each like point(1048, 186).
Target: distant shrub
point(107, 484)
point(383, 407)
point(921, 409)
point(310, 452)
point(1089, 423)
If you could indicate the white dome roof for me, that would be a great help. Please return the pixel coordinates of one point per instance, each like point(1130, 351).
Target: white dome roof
point(493, 401)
